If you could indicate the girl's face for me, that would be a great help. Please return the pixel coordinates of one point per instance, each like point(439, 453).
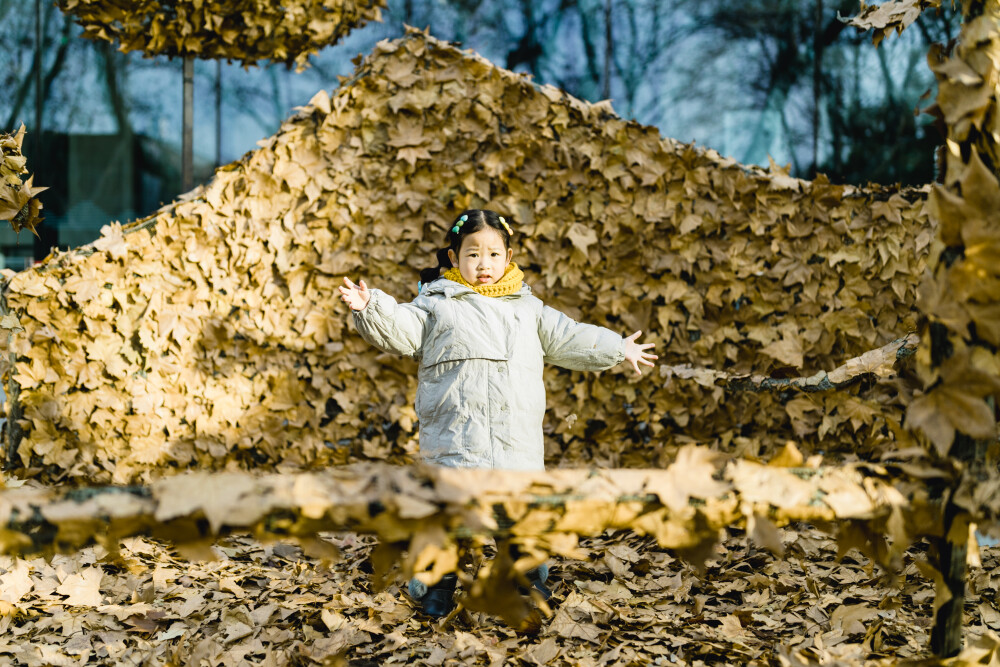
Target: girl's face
point(482, 259)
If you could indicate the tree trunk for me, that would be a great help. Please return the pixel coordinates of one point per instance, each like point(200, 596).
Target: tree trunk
point(589, 48)
point(39, 48)
point(116, 100)
point(817, 86)
point(878, 362)
point(187, 142)
point(608, 51)
point(218, 113)
point(37, 62)
point(13, 431)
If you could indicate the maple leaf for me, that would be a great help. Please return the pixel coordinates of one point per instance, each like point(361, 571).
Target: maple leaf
point(691, 475)
point(20, 207)
point(889, 15)
point(851, 618)
point(581, 236)
point(84, 288)
point(788, 350)
point(433, 555)
point(413, 153)
point(16, 583)
point(945, 409)
point(401, 71)
point(572, 622)
point(407, 131)
point(788, 457)
point(971, 217)
point(83, 589)
point(112, 241)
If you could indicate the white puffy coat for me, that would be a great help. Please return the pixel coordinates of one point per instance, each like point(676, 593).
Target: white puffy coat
point(480, 396)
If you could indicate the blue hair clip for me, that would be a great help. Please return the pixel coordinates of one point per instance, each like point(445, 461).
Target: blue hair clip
point(458, 225)
point(420, 286)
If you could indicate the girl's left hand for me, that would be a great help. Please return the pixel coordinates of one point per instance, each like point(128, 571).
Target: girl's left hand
point(636, 354)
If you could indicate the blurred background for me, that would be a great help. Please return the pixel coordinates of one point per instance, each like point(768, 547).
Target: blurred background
point(749, 78)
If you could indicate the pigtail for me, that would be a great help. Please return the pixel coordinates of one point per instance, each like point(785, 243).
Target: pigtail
point(431, 274)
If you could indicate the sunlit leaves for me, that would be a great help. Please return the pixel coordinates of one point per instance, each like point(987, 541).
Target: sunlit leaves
point(217, 343)
point(683, 507)
point(245, 30)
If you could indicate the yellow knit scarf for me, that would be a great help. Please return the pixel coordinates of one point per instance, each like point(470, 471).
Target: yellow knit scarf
point(508, 284)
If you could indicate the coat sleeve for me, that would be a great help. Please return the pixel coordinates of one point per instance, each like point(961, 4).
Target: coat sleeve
point(576, 346)
point(390, 326)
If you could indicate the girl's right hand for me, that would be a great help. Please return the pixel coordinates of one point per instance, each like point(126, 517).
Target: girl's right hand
point(355, 296)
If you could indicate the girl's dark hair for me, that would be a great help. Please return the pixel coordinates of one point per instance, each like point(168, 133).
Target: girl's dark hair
point(475, 220)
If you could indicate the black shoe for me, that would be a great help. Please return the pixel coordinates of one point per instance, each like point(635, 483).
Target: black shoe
point(437, 600)
point(538, 577)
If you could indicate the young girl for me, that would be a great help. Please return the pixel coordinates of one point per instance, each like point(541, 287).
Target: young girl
point(481, 339)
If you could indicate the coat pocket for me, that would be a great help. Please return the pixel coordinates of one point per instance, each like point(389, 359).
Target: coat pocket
point(439, 389)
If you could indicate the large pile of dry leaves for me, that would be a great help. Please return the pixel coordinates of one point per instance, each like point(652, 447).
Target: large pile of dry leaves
point(209, 336)
point(626, 602)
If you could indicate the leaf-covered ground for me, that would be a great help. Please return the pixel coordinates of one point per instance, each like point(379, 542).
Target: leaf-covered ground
point(630, 603)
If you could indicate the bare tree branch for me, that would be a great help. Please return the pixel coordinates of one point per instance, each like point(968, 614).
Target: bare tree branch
point(878, 362)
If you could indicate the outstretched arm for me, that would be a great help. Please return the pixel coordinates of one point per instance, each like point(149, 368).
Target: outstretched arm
point(587, 347)
point(636, 354)
point(355, 296)
point(389, 326)
point(578, 346)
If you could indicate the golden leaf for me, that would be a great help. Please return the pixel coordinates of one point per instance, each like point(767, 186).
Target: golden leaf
point(692, 475)
point(581, 236)
point(890, 15)
point(83, 589)
point(945, 409)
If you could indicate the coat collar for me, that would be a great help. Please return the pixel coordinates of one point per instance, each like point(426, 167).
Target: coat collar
point(450, 289)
